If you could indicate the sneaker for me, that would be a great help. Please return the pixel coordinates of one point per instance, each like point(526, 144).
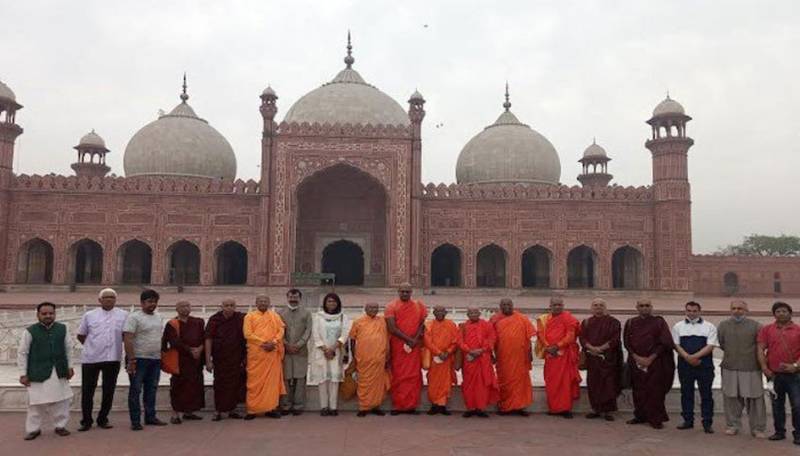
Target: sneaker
point(731, 431)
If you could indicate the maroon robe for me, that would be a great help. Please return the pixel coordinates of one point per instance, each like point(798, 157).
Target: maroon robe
point(646, 336)
point(603, 374)
point(186, 392)
point(229, 353)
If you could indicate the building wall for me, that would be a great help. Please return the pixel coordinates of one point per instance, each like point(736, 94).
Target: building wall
point(755, 275)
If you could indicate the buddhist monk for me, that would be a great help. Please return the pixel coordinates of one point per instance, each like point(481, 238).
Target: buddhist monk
point(556, 343)
point(263, 331)
point(186, 391)
point(649, 343)
point(479, 385)
point(226, 353)
point(600, 339)
point(369, 339)
point(514, 359)
point(441, 342)
point(405, 319)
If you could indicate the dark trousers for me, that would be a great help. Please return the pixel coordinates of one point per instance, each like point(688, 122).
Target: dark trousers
point(704, 377)
point(148, 371)
point(786, 385)
point(89, 374)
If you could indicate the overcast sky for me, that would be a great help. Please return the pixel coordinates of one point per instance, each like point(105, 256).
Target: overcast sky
point(576, 70)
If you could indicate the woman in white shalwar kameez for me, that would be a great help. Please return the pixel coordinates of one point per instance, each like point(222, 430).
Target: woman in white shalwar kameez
point(326, 352)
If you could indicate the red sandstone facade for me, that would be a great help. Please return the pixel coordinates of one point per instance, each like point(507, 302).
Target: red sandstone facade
point(349, 199)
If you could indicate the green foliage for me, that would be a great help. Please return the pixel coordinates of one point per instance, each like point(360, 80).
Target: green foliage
point(761, 245)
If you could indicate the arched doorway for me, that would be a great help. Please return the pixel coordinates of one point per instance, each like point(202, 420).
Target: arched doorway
point(86, 261)
point(446, 266)
point(35, 262)
point(341, 203)
point(345, 259)
point(491, 267)
point(231, 264)
point(581, 264)
point(536, 267)
point(184, 263)
point(731, 282)
point(626, 268)
point(134, 262)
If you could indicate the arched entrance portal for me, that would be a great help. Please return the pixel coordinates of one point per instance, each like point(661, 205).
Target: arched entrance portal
point(446, 266)
point(87, 261)
point(581, 263)
point(342, 203)
point(626, 268)
point(231, 264)
point(184, 263)
point(536, 267)
point(345, 259)
point(491, 267)
point(35, 262)
point(135, 260)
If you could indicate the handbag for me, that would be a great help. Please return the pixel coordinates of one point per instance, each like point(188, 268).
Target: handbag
point(169, 358)
point(348, 387)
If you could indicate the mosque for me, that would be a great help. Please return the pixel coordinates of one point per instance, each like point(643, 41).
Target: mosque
point(340, 192)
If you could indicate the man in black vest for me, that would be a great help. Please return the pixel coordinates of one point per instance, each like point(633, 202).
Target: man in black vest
point(45, 369)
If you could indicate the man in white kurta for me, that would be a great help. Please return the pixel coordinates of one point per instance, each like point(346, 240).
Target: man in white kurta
point(51, 397)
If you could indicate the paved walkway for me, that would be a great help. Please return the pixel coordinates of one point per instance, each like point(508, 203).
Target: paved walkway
point(404, 435)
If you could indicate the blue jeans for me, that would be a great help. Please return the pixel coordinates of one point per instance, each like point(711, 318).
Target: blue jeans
point(786, 384)
point(704, 377)
point(148, 371)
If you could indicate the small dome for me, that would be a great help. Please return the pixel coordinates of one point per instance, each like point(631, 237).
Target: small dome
point(508, 151)
point(347, 99)
point(180, 143)
point(668, 106)
point(92, 140)
point(416, 96)
point(594, 150)
point(268, 92)
point(6, 92)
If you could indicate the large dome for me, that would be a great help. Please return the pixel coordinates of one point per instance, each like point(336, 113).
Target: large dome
point(508, 151)
point(347, 99)
point(180, 143)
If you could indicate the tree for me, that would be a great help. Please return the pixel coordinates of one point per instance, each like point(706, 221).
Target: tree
point(762, 245)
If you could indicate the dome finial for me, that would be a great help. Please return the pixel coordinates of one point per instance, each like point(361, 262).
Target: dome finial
point(349, 60)
point(507, 104)
point(184, 95)
point(594, 140)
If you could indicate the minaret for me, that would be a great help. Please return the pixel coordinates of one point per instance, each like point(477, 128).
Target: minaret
point(416, 113)
point(595, 167)
point(669, 146)
point(91, 156)
point(9, 130)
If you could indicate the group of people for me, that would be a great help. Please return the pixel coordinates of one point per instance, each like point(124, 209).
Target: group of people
point(265, 359)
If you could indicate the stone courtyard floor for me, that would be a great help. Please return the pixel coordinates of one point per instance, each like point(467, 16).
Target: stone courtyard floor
point(405, 435)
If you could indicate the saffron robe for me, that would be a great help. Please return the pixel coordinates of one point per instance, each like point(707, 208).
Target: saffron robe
point(264, 368)
point(371, 340)
point(229, 353)
point(514, 360)
point(603, 374)
point(441, 337)
point(406, 366)
point(479, 381)
point(646, 336)
point(561, 378)
point(186, 391)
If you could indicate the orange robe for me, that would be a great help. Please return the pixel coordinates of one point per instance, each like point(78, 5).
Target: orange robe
point(406, 367)
point(264, 369)
point(514, 357)
point(441, 337)
point(479, 385)
point(372, 345)
point(561, 378)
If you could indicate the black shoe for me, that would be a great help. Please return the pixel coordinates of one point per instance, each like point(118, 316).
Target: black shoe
point(635, 420)
point(523, 412)
point(434, 410)
point(656, 425)
point(273, 414)
point(192, 417)
point(776, 436)
point(796, 440)
point(503, 413)
point(708, 429)
point(217, 417)
point(334, 413)
point(32, 435)
point(85, 427)
point(443, 410)
point(395, 412)
point(249, 417)
point(411, 412)
point(175, 420)
point(62, 432)
point(285, 412)
point(136, 427)
point(481, 414)
point(235, 416)
point(324, 412)
point(361, 413)
point(468, 414)
point(378, 411)
point(592, 416)
point(608, 417)
point(297, 412)
point(155, 422)
point(684, 426)
point(567, 415)
point(105, 425)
